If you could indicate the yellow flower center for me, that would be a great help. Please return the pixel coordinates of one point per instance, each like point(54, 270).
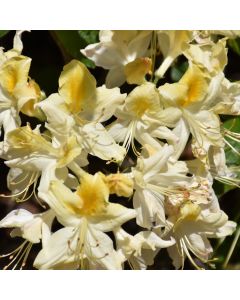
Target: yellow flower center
point(93, 196)
point(143, 99)
point(188, 211)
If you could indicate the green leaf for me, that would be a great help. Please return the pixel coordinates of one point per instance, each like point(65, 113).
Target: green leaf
point(235, 45)
point(89, 36)
point(232, 158)
point(3, 32)
point(178, 70)
point(72, 41)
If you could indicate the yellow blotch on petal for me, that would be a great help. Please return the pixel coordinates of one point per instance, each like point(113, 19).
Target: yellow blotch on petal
point(14, 72)
point(136, 70)
point(77, 86)
point(195, 86)
point(29, 95)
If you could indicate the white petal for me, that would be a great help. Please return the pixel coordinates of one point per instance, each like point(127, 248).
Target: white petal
point(100, 143)
point(99, 247)
point(115, 77)
point(115, 216)
point(16, 218)
point(56, 252)
point(105, 55)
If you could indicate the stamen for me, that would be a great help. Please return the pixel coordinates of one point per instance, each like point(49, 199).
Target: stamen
point(129, 138)
point(193, 250)
point(189, 256)
point(231, 146)
point(18, 254)
point(24, 192)
point(181, 253)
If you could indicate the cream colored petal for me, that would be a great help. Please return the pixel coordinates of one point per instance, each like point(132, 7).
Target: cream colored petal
point(149, 208)
point(205, 128)
point(65, 196)
point(172, 43)
point(138, 45)
point(155, 163)
point(14, 72)
point(172, 94)
point(199, 245)
point(27, 96)
point(10, 120)
point(153, 241)
point(136, 70)
point(16, 218)
point(114, 216)
point(174, 254)
point(32, 231)
point(182, 131)
point(17, 42)
point(106, 55)
point(168, 116)
point(59, 205)
point(212, 57)
point(115, 77)
point(99, 248)
point(97, 141)
point(108, 100)
point(77, 87)
point(56, 253)
point(118, 130)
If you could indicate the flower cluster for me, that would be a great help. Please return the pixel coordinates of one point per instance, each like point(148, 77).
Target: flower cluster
point(142, 134)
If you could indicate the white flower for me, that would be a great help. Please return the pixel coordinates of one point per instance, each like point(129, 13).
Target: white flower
point(118, 51)
point(142, 115)
point(30, 155)
point(32, 228)
point(139, 250)
point(156, 177)
point(86, 215)
point(81, 106)
point(193, 95)
point(191, 225)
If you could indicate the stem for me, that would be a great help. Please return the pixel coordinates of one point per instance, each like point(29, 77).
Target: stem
point(230, 252)
point(153, 52)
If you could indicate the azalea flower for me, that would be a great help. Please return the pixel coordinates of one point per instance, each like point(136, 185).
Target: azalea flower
point(30, 155)
point(32, 228)
point(155, 177)
point(87, 215)
point(191, 225)
point(194, 95)
point(123, 52)
point(142, 115)
point(139, 250)
point(17, 91)
point(80, 106)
